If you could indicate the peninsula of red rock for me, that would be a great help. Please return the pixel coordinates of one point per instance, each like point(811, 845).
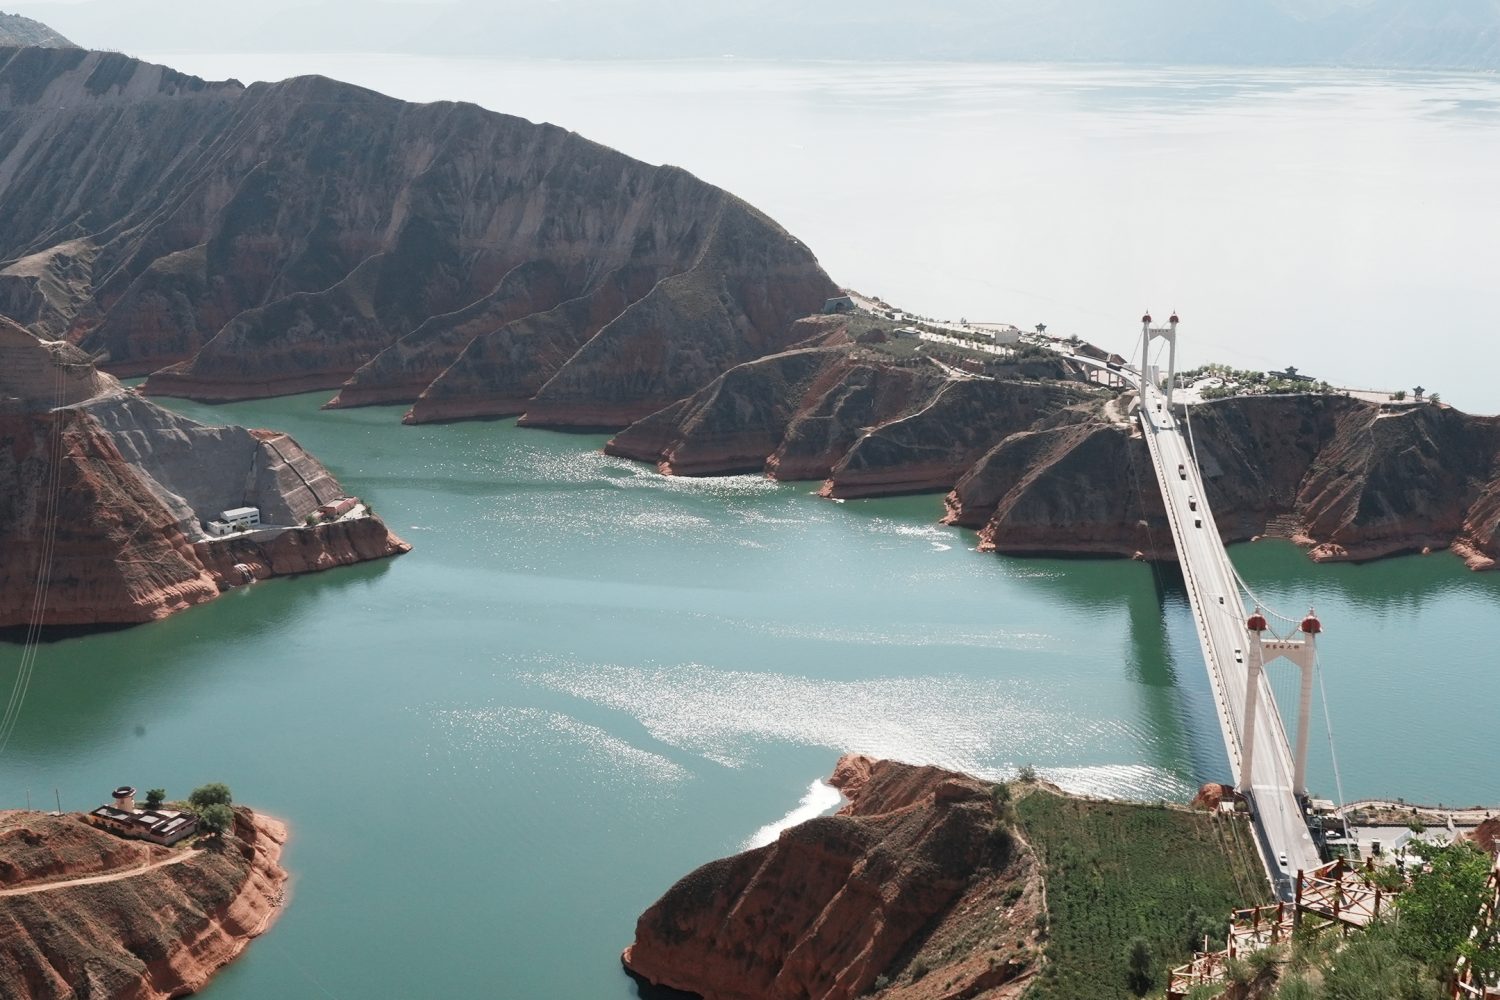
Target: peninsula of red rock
point(929, 884)
point(308, 234)
point(916, 860)
point(117, 498)
point(84, 913)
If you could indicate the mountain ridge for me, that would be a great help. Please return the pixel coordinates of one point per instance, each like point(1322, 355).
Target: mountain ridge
point(313, 235)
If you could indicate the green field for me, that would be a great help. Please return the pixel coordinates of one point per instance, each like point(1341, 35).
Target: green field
point(1117, 871)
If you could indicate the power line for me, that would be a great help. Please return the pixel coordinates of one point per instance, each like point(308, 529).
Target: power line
point(31, 647)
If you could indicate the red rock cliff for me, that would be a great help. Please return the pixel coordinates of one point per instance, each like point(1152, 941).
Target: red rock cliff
point(837, 902)
point(146, 936)
point(103, 502)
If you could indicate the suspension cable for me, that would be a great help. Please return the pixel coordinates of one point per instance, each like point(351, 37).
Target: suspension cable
point(31, 646)
point(1238, 578)
point(1338, 781)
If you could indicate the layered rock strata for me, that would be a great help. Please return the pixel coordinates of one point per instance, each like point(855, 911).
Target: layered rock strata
point(1049, 467)
point(838, 906)
point(104, 496)
point(1350, 480)
point(866, 425)
point(308, 234)
point(147, 935)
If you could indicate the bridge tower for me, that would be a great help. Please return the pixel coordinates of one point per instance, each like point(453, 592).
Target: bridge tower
point(1167, 333)
point(1302, 652)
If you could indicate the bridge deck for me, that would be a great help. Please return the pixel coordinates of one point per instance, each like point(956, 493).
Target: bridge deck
point(1219, 614)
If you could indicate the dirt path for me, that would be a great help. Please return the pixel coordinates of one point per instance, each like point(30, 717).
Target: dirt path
point(175, 859)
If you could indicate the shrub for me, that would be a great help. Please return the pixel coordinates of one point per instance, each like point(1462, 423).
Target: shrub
point(155, 797)
point(216, 818)
point(1140, 967)
point(213, 794)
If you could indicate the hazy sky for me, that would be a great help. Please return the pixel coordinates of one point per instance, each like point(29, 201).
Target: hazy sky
point(1461, 34)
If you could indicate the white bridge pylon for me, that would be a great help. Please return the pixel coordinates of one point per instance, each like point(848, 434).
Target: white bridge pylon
point(1302, 652)
point(1167, 333)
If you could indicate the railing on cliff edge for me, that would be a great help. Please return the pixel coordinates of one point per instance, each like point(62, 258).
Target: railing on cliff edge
point(1338, 892)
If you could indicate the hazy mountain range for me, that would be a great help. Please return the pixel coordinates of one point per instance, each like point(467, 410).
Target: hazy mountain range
point(1456, 34)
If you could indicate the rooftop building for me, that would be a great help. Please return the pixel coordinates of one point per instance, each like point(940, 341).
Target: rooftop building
point(159, 826)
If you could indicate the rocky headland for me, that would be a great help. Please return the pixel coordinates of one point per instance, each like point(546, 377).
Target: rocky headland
point(933, 885)
point(309, 234)
point(82, 914)
point(837, 907)
point(1348, 479)
point(855, 414)
point(1047, 463)
point(110, 493)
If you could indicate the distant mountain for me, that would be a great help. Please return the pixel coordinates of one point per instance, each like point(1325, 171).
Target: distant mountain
point(1452, 34)
point(18, 30)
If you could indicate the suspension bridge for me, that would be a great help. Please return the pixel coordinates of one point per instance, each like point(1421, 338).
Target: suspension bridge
point(1234, 631)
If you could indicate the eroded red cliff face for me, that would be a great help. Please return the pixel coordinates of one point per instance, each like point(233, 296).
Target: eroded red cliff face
point(1049, 466)
point(153, 935)
point(866, 424)
point(1348, 479)
point(837, 902)
point(102, 500)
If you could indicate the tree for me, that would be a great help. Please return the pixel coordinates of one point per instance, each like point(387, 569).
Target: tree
point(155, 797)
point(1198, 925)
point(1438, 910)
point(1140, 967)
point(213, 794)
point(216, 818)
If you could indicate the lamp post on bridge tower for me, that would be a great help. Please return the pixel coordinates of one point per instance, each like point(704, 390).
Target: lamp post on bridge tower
point(1167, 333)
point(1302, 652)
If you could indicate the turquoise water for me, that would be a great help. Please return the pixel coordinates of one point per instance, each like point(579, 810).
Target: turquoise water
point(586, 679)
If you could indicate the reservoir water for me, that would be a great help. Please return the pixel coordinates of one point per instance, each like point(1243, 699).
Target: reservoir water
point(586, 678)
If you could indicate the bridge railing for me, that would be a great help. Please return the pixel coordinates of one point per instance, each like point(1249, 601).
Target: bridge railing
point(1197, 601)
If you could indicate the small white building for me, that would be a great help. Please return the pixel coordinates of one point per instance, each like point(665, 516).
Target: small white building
point(246, 518)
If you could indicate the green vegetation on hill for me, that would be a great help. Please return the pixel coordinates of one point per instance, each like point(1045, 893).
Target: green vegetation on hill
point(1410, 953)
point(1121, 874)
